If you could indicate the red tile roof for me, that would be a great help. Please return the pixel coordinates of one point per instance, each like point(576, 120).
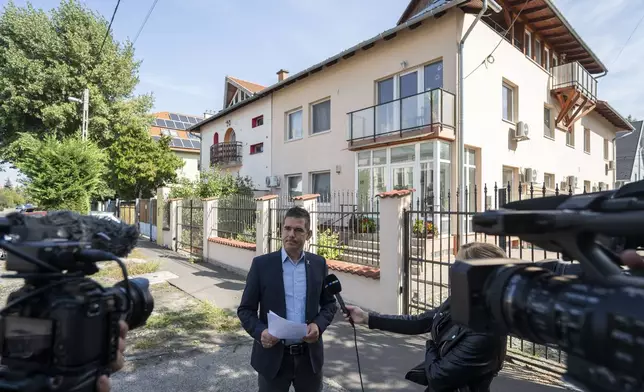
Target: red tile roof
point(355, 269)
point(396, 193)
point(233, 243)
point(306, 197)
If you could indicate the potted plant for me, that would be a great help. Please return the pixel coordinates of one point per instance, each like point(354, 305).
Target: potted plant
point(422, 228)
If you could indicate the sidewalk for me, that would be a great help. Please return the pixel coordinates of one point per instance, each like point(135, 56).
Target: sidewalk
point(384, 357)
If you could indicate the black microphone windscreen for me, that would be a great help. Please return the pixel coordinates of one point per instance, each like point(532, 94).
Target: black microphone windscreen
point(119, 238)
point(332, 284)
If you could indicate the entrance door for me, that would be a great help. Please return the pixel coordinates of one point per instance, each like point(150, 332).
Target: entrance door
point(402, 177)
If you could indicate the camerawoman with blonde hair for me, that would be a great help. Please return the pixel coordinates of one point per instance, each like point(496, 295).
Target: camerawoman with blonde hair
point(456, 358)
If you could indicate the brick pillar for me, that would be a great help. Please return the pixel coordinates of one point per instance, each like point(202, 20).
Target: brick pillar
point(175, 221)
point(392, 205)
point(310, 202)
point(263, 223)
point(209, 223)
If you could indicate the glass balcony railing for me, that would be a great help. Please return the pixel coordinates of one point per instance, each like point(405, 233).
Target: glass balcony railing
point(432, 107)
point(227, 153)
point(574, 75)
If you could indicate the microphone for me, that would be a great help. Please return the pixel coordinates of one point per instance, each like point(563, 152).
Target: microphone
point(333, 286)
point(102, 234)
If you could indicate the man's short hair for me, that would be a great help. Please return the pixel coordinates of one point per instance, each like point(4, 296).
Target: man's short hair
point(299, 213)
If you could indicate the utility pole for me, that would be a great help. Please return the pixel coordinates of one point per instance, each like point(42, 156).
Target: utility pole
point(85, 120)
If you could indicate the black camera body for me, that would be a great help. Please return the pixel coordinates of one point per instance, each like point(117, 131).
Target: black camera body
point(595, 316)
point(60, 330)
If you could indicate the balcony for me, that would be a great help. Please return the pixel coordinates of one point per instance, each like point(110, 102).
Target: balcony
point(576, 91)
point(226, 154)
point(429, 114)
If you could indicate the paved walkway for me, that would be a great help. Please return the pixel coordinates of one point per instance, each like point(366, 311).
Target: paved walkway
point(384, 357)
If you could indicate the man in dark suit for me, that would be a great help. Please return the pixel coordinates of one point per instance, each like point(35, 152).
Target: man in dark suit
point(289, 282)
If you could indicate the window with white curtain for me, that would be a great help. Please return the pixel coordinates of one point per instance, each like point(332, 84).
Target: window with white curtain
point(321, 117)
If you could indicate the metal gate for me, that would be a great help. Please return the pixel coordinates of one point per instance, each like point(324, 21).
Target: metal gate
point(430, 235)
point(189, 236)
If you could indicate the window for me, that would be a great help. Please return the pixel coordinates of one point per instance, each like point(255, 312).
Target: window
point(215, 138)
point(587, 140)
point(258, 121)
point(546, 62)
point(294, 125)
point(321, 117)
point(570, 138)
point(508, 102)
point(549, 180)
point(294, 184)
point(527, 44)
point(257, 148)
point(538, 55)
point(606, 154)
point(321, 185)
point(587, 186)
point(548, 129)
point(169, 132)
point(433, 77)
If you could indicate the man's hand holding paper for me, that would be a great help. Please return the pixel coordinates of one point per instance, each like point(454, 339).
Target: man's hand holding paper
point(285, 329)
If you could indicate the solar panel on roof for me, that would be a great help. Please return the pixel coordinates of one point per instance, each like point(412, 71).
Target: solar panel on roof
point(192, 120)
point(174, 117)
point(197, 144)
point(183, 118)
point(156, 137)
point(176, 142)
point(180, 125)
point(159, 122)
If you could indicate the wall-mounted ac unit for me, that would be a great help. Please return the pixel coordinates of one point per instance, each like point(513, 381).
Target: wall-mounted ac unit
point(522, 131)
point(531, 175)
point(272, 181)
point(572, 181)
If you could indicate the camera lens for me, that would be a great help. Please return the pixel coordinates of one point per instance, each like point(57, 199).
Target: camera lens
point(141, 304)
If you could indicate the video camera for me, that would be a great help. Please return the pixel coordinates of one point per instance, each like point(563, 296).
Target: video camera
point(60, 330)
point(597, 318)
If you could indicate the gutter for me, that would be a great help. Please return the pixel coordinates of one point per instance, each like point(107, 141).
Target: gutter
point(462, 203)
point(339, 56)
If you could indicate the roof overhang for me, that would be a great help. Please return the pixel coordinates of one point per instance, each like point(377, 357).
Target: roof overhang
point(613, 116)
point(331, 61)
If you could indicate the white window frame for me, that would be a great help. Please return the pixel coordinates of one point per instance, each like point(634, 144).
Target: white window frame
point(570, 137)
point(606, 150)
point(551, 130)
point(528, 51)
point(513, 101)
point(538, 55)
point(547, 64)
point(288, 124)
point(288, 184)
point(312, 117)
point(587, 140)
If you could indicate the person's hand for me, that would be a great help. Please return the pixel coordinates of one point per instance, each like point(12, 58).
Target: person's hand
point(358, 315)
point(312, 333)
point(104, 384)
point(268, 340)
point(632, 260)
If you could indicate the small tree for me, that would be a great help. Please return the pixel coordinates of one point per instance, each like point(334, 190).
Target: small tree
point(60, 174)
point(10, 198)
point(212, 183)
point(8, 184)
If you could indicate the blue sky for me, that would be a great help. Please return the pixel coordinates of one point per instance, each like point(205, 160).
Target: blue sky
point(188, 46)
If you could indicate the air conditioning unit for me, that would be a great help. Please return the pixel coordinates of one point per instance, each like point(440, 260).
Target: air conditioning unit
point(603, 186)
point(272, 181)
point(522, 131)
point(572, 181)
point(531, 175)
point(611, 165)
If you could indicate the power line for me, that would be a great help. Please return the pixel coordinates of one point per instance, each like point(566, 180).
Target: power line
point(628, 39)
point(109, 28)
point(487, 58)
point(145, 21)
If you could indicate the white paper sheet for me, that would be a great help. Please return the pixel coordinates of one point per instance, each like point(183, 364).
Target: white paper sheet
point(285, 329)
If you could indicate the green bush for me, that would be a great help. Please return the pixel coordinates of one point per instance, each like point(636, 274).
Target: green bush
point(249, 235)
point(329, 245)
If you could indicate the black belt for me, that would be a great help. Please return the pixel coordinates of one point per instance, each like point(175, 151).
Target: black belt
point(295, 349)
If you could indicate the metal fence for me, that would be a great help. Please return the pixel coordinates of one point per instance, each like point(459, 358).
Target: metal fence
point(276, 210)
point(236, 218)
point(430, 236)
point(348, 228)
point(189, 234)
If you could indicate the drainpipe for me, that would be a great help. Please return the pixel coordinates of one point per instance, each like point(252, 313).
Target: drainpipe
point(462, 203)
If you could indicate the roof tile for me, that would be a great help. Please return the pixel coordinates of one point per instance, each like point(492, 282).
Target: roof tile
point(233, 243)
point(355, 269)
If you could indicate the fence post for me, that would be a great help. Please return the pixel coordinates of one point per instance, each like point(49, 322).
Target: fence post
point(175, 221)
point(162, 197)
point(392, 214)
point(209, 221)
point(263, 223)
point(309, 203)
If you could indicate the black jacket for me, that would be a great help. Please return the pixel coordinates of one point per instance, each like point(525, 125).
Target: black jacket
point(456, 358)
point(264, 292)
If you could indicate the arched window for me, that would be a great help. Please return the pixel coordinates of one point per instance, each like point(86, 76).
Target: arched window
point(215, 139)
point(230, 136)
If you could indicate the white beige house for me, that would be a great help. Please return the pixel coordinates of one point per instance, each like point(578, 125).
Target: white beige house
point(237, 138)
point(383, 114)
point(186, 145)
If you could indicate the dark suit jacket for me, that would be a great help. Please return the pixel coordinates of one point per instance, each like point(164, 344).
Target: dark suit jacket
point(265, 291)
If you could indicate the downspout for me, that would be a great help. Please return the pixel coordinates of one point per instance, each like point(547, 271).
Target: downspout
point(462, 203)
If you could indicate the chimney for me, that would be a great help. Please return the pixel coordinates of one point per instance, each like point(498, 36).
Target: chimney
point(282, 74)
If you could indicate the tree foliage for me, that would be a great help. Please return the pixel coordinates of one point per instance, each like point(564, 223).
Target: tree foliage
point(61, 174)
point(47, 58)
point(212, 183)
point(10, 197)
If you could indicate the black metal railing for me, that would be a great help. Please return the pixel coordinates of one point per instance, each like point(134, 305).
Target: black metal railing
point(236, 218)
point(432, 107)
point(430, 246)
point(226, 153)
point(574, 74)
point(189, 231)
point(348, 228)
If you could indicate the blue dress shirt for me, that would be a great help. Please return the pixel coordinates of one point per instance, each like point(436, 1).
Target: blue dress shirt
point(294, 274)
